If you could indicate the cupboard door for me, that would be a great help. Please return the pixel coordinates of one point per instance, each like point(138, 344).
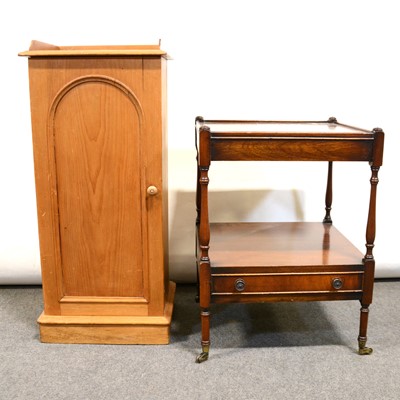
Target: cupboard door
point(96, 129)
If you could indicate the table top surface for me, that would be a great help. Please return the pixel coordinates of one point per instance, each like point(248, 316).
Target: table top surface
point(284, 128)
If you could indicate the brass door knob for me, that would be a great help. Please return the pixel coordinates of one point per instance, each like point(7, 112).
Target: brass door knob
point(152, 190)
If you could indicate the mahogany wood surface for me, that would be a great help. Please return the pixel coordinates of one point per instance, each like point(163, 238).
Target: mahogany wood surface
point(285, 244)
point(291, 261)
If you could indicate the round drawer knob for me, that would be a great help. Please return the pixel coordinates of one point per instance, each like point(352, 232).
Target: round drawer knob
point(240, 285)
point(337, 283)
point(152, 190)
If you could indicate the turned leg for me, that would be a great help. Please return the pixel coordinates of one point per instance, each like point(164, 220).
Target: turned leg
point(205, 335)
point(362, 337)
point(328, 196)
point(205, 300)
point(369, 263)
point(197, 296)
point(204, 240)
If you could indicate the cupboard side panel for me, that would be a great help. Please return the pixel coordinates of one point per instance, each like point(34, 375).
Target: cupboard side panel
point(157, 223)
point(164, 113)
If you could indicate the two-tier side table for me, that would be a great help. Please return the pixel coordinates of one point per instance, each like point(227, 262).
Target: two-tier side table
point(288, 261)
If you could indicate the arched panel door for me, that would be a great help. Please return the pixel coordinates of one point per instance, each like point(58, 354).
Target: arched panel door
point(96, 128)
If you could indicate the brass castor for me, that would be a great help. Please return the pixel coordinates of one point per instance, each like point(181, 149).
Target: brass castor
point(204, 354)
point(362, 348)
point(202, 357)
point(365, 351)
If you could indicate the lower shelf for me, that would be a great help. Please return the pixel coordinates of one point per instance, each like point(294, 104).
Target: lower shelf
point(108, 329)
point(294, 245)
point(283, 261)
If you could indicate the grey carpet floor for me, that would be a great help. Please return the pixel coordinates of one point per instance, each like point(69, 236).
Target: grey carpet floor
point(259, 351)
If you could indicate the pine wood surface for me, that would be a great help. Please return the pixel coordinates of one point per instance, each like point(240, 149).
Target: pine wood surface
point(41, 49)
point(92, 329)
point(99, 138)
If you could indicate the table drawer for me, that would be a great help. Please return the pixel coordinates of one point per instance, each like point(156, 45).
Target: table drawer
point(286, 283)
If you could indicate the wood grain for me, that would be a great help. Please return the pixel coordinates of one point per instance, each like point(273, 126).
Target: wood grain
point(99, 138)
point(88, 329)
point(280, 244)
point(97, 134)
point(298, 261)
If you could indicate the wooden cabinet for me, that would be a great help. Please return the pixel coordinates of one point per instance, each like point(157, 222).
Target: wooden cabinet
point(100, 153)
point(283, 261)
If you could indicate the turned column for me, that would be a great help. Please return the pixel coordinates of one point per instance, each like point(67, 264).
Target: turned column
point(204, 240)
point(369, 261)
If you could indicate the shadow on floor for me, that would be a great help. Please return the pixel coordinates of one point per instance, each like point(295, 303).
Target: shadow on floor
point(264, 324)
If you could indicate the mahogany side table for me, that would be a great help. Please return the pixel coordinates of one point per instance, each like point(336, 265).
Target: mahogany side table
point(288, 261)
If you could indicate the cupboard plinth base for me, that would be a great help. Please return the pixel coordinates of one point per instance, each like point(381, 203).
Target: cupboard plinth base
point(108, 329)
